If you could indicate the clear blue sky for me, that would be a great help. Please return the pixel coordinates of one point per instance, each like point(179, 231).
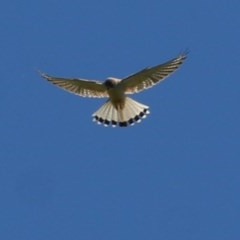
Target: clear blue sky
point(174, 176)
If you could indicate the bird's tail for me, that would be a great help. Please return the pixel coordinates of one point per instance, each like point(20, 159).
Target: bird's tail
point(131, 113)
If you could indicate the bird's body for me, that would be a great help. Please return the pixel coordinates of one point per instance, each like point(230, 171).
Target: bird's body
point(119, 109)
point(115, 91)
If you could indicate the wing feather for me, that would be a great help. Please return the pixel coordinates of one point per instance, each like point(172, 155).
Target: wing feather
point(148, 77)
point(82, 87)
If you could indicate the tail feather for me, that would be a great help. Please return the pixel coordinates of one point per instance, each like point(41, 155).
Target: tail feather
point(107, 113)
point(136, 108)
point(114, 116)
point(131, 113)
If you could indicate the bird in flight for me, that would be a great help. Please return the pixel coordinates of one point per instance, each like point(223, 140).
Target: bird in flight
point(119, 109)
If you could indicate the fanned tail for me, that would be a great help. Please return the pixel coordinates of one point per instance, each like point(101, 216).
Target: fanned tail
point(131, 113)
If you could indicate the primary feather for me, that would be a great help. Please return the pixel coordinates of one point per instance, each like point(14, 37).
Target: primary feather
point(148, 77)
point(82, 87)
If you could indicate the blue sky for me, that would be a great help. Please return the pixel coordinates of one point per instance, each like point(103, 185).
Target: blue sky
point(174, 176)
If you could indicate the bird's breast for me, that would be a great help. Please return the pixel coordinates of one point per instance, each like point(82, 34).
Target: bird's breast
point(117, 96)
point(116, 92)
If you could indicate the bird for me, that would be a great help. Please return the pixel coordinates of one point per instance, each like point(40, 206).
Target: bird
point(119, 109)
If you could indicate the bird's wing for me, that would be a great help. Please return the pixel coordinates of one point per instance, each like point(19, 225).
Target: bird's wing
point(82, 87)
point(148, 77)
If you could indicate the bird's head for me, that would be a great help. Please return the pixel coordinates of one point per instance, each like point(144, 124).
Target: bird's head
point(111, 82)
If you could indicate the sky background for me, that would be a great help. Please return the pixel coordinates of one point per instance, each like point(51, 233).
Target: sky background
point(174, 176)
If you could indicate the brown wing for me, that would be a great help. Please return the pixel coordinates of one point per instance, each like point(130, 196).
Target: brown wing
point(150, 76)
point(80, 87)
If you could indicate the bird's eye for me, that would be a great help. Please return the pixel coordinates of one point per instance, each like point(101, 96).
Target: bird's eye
point(109, 83)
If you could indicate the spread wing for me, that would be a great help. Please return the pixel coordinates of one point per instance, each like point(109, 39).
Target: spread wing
point(148, 77)
point(82, 87)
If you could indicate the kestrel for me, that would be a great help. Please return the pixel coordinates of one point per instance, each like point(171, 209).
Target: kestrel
point(119, 109)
